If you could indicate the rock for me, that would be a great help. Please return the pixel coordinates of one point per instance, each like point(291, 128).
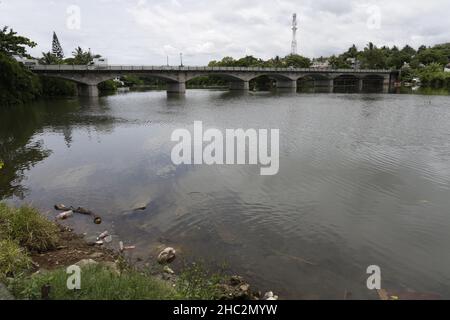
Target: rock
point(270, 296)
point(4, 293)
point(168, 270)
point(166, 256)
point(86, 263)
point(236, 280)
point(96, 255)
point(61, 207)
point(236, 289)
point(245, 287)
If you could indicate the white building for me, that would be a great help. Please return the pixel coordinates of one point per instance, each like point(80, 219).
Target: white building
point(354, 63)
point(325, 64)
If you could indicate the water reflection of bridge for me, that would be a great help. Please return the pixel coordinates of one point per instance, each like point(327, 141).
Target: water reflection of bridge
point(329, 80)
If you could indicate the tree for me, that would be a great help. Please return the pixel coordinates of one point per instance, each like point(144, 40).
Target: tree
point(12, 44)
point(296, 61)
point(49, 58)
point(339, 62)
point(352, 52)
point(56, 47)
point(17, 83)
point(407, 50)
point(372, 57)
point(82, 57)
point(433, 55)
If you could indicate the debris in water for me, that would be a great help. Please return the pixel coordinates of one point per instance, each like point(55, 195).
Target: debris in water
point(64, 215)
point(166, 256)
point(80, 210)
point(103, 235)
point(123, 248)
point(62, 207)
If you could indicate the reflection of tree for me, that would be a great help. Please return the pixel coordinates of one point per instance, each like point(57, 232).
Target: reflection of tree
point(17, 127)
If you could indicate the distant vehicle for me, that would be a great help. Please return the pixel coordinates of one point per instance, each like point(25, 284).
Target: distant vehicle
point(99, 63)
point(26, 61)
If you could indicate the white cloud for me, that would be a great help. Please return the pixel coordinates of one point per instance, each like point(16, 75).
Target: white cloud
point(146, 31)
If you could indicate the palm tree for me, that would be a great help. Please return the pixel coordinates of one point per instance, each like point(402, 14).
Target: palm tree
point(82, 57)
point(49, 58)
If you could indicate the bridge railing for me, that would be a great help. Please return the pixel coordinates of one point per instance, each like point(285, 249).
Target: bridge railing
point(207, 69)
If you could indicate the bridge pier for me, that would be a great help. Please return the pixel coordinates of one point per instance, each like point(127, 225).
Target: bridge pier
point(331, 86)
point(87, 90)
point(287, 85)
point(360, 85)
point(176, 87)
point(386, 84)
point(240, 85)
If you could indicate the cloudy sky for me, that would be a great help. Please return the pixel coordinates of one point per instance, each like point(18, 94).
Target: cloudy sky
point(147, 31)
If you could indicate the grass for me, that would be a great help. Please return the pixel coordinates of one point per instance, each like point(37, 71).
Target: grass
point(97, 283)
point(28, 227)
point(196, 283)
point(13, 259)
point(24, 230)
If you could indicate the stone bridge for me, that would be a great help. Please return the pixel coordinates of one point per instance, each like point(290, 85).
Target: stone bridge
point(88, 77)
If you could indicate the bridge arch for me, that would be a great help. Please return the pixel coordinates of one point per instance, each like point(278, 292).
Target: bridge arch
point(346, 83)
point(372, 83)
point(95, 79)
point(315, 83)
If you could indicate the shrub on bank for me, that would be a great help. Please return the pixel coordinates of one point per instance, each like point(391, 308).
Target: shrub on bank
point(108, 86)
point(28, 227)
point(17, 83)
point(13, 259)
point(52, 87)
point(97, 283)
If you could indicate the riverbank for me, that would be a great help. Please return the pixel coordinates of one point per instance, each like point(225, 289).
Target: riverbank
point(35, 254)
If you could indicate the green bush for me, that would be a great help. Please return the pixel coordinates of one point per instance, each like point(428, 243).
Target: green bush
point(195, 283)
point(28, 227)
point(17, 83)
point(52, 87)
point(97, 283)
point(13, 259)
point(108, 86)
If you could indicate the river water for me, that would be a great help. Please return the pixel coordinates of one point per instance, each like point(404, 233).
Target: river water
point(364, 180)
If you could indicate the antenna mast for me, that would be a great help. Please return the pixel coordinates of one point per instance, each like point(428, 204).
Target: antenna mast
point(294, 34)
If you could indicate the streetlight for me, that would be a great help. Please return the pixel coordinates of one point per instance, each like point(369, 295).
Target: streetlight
point(181, 59)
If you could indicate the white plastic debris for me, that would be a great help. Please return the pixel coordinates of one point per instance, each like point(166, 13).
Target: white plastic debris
point(64, 215)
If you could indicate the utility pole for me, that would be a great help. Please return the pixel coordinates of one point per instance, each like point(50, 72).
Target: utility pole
point(294, 35)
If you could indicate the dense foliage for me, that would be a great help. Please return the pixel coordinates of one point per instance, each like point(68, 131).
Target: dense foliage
point(17, 83)
point(12, 44)
point(53, 87)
